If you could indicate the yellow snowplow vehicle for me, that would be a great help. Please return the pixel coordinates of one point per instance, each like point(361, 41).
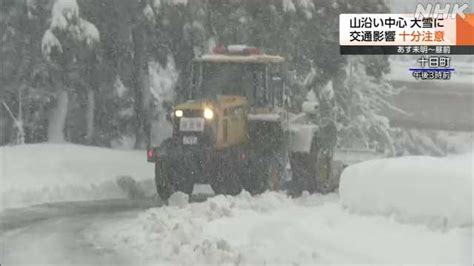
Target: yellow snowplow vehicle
point(230, 127)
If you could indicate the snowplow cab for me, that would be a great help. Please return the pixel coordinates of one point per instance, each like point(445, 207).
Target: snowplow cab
point(232, 105)
point(231, 84)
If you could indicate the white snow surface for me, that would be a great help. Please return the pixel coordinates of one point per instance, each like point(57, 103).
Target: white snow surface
point(264, 117)
point(162, 83)
point(48, 42)
point(430, 190)
point(175, 2)
point(289, 6)
point(89, 33)
point(457, 142)
point(272, 229)
point(39, 173)
point(62, 11)
point(65, 17)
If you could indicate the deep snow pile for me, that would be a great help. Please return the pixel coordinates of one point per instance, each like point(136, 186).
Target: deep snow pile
point(274, 229)
point(414, 189)
point(31, 174)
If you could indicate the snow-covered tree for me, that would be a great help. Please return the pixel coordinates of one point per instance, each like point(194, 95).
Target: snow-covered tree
point(70, 27)
point(363, 99)
point(91, 50)
point(162, 83)
point(69, 38)
point(20, 30)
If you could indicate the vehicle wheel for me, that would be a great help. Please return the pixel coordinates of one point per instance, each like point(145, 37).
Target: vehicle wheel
point(168, 181)
point(265, 175)
point(185, 186)
point(227, 181)
point(163, 186)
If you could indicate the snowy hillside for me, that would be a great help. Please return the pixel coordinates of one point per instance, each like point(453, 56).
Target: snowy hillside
point(33, 174)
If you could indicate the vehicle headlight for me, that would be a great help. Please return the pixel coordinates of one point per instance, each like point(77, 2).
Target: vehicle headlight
point(208, 114)
point(178, 113)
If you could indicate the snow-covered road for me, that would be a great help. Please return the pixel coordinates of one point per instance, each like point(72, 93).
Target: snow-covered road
point(268, 229)
point(387, 211)
point(61, 242)
point(54, 233)
point(273, 229)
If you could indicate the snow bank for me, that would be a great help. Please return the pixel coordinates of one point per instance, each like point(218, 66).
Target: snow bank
point(272, 229)
point(413, 189)
point(457, 142)
point(32, 174)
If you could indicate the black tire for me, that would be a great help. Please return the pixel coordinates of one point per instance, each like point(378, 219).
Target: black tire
point(168, 180)
point(266, 175)
point(163, 186)
point(185, 186)
point(226, 180)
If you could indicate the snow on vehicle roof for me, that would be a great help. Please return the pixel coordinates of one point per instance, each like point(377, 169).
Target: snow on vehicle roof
point(256, 59)
point(264, 117)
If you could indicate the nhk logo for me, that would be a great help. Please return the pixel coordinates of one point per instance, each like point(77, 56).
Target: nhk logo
point(441, 10)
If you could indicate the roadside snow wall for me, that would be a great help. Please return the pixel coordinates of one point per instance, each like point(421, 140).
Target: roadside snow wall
point(33, 174)
point(420, 189)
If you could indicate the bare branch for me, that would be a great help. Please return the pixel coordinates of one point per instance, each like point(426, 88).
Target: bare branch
point(10, 112)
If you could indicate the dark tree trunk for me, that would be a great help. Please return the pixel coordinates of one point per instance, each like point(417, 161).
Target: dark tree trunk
point(93, 75)
point(57, 118)
point(90, 116)
point(140, 86)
